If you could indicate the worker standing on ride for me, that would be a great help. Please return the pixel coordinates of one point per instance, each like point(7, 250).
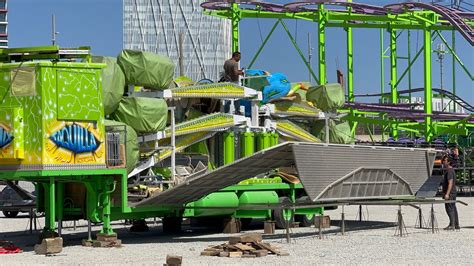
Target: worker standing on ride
point(231, 69)
point(449, 193)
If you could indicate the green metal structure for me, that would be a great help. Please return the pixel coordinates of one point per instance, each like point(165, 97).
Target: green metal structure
point(53, 133)
point(430, 19)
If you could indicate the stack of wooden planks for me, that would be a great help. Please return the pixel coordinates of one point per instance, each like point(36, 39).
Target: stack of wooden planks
point(243, 246)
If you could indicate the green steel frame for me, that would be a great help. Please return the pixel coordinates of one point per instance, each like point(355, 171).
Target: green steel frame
point(429, 22)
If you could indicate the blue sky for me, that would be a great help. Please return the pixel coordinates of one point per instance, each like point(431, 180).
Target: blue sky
point(98, 23)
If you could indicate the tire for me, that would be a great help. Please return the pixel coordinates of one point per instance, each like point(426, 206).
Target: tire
point(282, 217)
point(305, 220)
point(10, 214)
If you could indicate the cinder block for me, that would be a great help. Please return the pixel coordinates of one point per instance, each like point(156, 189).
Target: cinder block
point(50, 246)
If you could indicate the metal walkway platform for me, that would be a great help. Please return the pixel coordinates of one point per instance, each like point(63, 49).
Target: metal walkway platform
point(327, 172)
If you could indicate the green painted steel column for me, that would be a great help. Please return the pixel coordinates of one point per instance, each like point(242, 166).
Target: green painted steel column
point(322, 45)
point(60, 201)
point(273, 139)
point(393, 76)
point(248, 144)
point(453, 45)
point(350, 66)
point(428, 127)
point(350, 63)
point(235, 26)
point(229, 148)
point(50, 209)
point(106, 227)
point(382, 63)
point(382, 74)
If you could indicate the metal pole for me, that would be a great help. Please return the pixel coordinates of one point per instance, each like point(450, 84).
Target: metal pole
point(235, 26)
point(453, 40)
point(428, 127)
point(173, 145)
point(432, 219)
point(181, 57)
point(382, 74)
point(89, 230)
point(393, 76)
point(420, 217)
point(322, 45)
point(60, 227)
point(263, 44)
point(300, 53)
point(400, 220)
point(360, 213)
point(409, 62)
point(343, 221)
point(320, 226)
point(350, 62)
point(53, 29)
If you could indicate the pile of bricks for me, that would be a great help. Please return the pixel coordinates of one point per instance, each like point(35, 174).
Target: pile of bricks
point(243, 246)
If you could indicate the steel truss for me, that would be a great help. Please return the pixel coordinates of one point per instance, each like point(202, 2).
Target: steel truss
point(431, 19)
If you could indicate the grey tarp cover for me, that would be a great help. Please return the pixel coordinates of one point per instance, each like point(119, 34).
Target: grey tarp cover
point(339, 131)
point(327, 97)
point(113, 83)
point(146, 69)
point(145, 115)
point(132, 152)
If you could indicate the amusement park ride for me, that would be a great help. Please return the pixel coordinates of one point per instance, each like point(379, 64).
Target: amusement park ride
point(53, 131)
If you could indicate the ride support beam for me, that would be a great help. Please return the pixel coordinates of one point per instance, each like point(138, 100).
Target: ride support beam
point(428, 126)
point(60, 201)
point(322, 44)
point(393, 75)
point(235, 21)
point(257, 54)
point(300, 53)
point(50, 209)
point(350, 65)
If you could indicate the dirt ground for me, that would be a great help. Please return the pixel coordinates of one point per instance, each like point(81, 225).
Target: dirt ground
point(371, 241)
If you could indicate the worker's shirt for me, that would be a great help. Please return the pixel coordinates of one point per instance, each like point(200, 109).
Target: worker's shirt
point(230, 68)
point(449, 175)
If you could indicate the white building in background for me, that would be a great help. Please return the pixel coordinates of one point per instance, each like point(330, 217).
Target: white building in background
point(3, 24)
point(158, 25)
point(441, 104)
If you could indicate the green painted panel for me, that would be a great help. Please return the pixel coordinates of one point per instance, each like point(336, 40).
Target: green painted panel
point(78, 96)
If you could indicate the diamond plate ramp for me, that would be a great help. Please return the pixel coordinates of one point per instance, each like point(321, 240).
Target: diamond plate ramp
point(197, 187)
point(321, 165)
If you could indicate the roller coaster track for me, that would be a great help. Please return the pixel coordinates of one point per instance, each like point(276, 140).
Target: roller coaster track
point(455, 17)
point(451, 96)
point(447, 13)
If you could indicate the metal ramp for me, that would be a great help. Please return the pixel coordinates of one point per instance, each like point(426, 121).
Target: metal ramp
point(224, 90)
point(206, 123)
point(295, 132)
point(319, 166)
point(289, 109)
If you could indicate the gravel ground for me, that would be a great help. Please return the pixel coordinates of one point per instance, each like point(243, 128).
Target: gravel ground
point(367, 242)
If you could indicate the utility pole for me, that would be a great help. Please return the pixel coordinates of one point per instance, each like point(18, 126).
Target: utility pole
point(54, 33)
point(441, 51)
